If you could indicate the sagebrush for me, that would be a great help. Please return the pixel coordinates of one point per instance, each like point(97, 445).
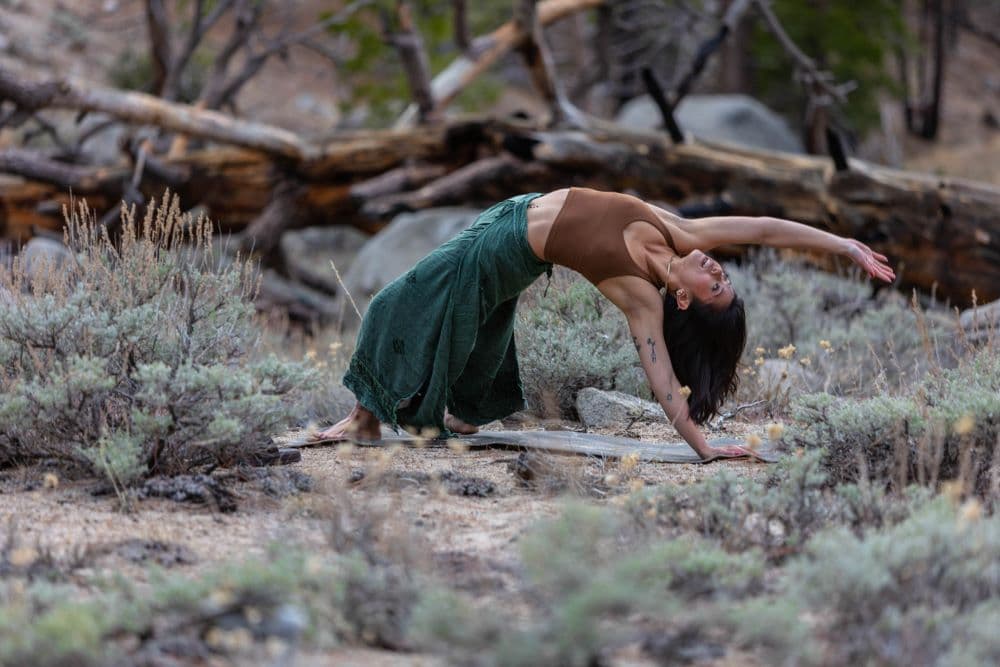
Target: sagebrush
point(136, 357)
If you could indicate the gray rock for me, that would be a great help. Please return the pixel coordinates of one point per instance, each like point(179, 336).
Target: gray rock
point(307, 254)
point(42, 254)
point(735, 119)
point(982, 323)
point(613, 409)
point(778, 376)
point(391, 252)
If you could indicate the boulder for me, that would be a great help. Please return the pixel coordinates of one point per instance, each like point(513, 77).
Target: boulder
point(395, 249)
point(779, 376)
point(43, 254)
point(733, 119)
point(982, 323)
point(307, 254)
point(598, 408)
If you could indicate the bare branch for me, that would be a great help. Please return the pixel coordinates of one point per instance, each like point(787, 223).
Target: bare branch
point(487, 50)
point(816, 81)
point(158, 26)
point(410, 47)
point(200, 25)
point(539, 61)
point(31, 165)
point(147, 109)
point(460, 19)
point(220, 91)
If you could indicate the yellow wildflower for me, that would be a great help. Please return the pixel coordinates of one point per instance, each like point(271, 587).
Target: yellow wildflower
point(759, 351)
point(787, 352)
point(457, 446)
point(759, 361)
point(753, 442)
point(50, 481)
point(774, 431)
point(21, 556)
point(805, 361)
point(965, 424)
point(629, 463)
point(970, 512)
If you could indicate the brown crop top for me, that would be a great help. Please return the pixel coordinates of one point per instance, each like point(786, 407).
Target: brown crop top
point(588, 234)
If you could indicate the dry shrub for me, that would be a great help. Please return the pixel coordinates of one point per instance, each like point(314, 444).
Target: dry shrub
point(945, 427)
point(136, 358)
point(570, 337)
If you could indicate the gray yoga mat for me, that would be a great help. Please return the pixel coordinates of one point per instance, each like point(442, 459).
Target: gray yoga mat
point(561, 442)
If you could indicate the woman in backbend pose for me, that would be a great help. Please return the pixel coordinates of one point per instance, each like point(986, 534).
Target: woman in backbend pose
point(436, 347)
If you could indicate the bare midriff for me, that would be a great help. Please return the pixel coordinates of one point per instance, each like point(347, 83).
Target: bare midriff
point(542, 212)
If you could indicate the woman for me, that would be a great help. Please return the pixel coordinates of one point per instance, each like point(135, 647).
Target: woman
point(436, 347)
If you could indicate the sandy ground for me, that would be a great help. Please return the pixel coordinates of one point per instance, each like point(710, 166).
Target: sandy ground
point(69, 517)
point(471, 541)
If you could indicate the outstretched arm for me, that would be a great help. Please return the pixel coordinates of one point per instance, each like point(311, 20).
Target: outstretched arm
point(707, 233)
point(646, 326)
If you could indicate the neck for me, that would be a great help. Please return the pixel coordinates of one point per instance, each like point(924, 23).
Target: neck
point(666, 273)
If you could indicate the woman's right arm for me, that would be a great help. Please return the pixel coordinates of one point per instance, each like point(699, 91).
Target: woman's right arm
point(645, 321)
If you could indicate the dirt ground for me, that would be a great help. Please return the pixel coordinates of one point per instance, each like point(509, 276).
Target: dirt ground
point(471, 540)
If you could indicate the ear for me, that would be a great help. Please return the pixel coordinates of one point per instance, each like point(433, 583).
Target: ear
point(682, 298)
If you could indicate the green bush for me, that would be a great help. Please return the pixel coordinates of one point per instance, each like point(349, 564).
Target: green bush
point(569, 338)
point(589, 577)
point(777, 515)
point(945, 427)
point(135, 359)
point(921, 592)
point(853, 340)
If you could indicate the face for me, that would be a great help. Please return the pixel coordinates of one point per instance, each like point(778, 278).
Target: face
point(703, 279)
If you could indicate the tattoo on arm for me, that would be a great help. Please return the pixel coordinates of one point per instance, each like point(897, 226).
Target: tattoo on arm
point(652, 348)
point(670, 397)
point(635, 341)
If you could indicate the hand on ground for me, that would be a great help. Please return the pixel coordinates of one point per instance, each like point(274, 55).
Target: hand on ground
point(727, 452)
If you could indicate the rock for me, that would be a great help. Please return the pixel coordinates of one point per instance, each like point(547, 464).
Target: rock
point(43, 254)
point(613, 409)
point(734, 119)
point(982, 323)
point(307, 254)
point(407, 239)
point(777, 376)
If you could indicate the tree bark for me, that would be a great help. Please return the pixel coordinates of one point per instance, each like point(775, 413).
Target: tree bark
point(940, 233)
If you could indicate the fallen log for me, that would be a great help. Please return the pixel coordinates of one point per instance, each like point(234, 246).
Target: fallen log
point(940, 233)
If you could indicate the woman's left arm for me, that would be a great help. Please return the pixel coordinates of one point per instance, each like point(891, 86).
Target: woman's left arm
point(707, 233)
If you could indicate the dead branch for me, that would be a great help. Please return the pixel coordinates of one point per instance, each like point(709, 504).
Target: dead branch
point(410, 46)
point(539, 61)
point(395, 181)
point(488, 49)
point(282, 213)
point(149, 110)
point(158, 27)
point(35, 167)
point(460, 22)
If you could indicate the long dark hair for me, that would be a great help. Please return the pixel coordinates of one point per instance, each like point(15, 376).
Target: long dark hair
point(705, 345)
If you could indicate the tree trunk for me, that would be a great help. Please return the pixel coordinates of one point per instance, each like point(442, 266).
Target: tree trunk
point(940, 233)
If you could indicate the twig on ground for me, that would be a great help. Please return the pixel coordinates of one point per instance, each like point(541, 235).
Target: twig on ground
point(716, 424)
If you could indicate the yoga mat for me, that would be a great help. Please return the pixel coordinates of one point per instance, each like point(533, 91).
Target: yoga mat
point(562, 442)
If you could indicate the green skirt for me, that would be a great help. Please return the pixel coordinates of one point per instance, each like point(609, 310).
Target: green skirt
point(442, 334)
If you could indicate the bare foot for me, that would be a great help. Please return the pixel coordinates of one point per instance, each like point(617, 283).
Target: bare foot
point(359, 425)
point(457, 425)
